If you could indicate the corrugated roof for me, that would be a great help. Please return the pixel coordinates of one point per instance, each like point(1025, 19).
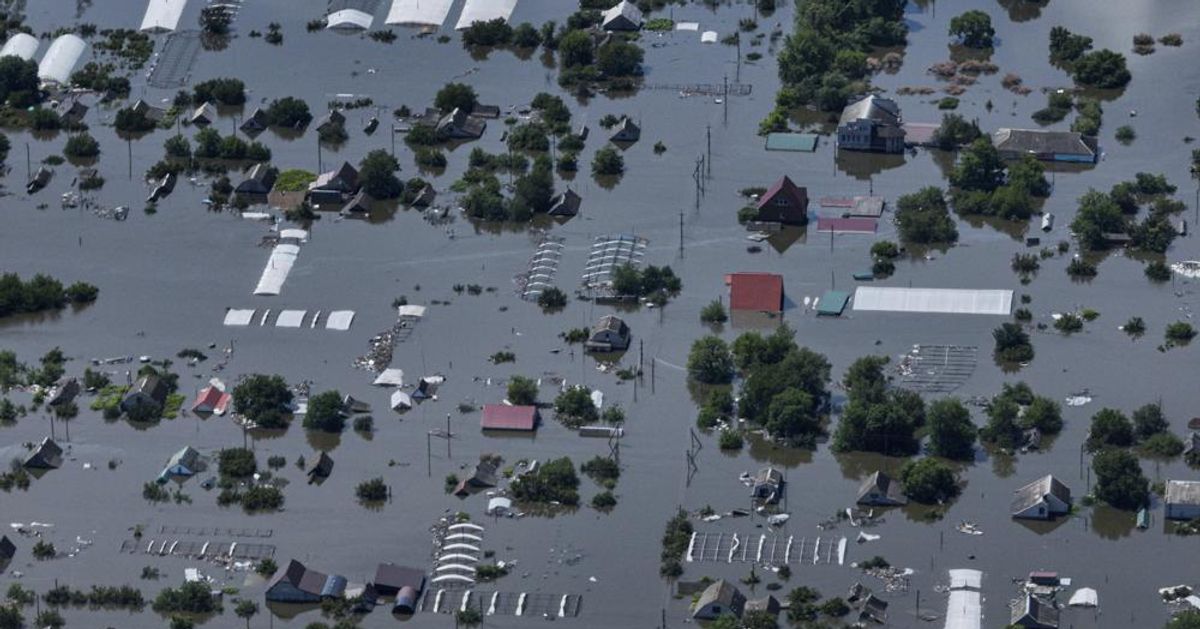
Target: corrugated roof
point(1041, 141)
point(872, 107)
point(806, 142)
point(1183, 492)
point(421, 12)
point(756, 291)
point(933, 300)
point(503, 417)
point(62, 56)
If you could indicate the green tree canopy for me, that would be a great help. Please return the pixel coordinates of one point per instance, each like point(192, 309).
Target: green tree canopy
point(973, 29)
point(263, 399)
point(710, 362)
point(1119, 479)
point(951, 432)
point(325, 412)
point(1110, 427)
point(377, 174)
point(928, 481)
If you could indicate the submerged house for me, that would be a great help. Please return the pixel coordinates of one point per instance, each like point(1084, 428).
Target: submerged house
point(7, 548)
point(610, 334)
point(255, 123)
point(565, 204)
point(626, 132)
point(46, 456)
point(299, 584)
point(64, 392)
point(784, 203)
point(211, 401)
point(768, 485)
point(460, 125)
point(1050, 146)
point(259, 181)
point(1182, 499)
point(404, 583)
point(182, 464)
point(335, 185)
point(719, 599)
point(871, 124)
point(330, 121)
point(71, 112)
point(625, 16)
point(204, 115)
point(761, 292)
point(881, 490)
point(358, 204)
point(1042, 499)
point(1033, 613)
point(319, 468)
point(162, 188)
point(150, 390)
point(483, 477)
point(148, 111)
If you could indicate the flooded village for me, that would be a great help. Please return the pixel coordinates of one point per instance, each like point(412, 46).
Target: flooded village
point(720, 313)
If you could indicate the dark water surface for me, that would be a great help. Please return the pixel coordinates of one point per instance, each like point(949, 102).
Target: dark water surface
point(166, 279)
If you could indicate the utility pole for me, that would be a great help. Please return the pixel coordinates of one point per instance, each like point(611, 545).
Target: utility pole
point(320, 167)
point(129, 148)
point(708, 141)
point(681, 233)
point(29, 167)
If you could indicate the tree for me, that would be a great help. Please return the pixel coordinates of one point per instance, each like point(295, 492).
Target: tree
point(246, 609)
point(1044, 414)
point(1186, 619)
point(456, 96)
point(554, 481)
point(1029, 175)
point(82, 145)
point(928, 481)
point(533, 192)
point(522, 391)
point(954, 132)
point(887, 425)
point(377, 174)
point(865, 379)
point(973, 29)
point(1065, 46)
point(791, 417)
point(923, 218)
point(526, 36)
point(710, 361)
point(1119, 480)
point(552, 298)
point(1110, 427)
point(1002, 429)
point(1149, 420)
point(325, 412)
point(288, 112)
point(1012, 343)
point(236, 463)
point(18, 80)
point(608, 162)
point(215, 20)
point(714, 312)
point(263, 400)
point(231, 92)
point(177, 146)
point(469, 617)
point(951, 433)
point(373, 490)
point(1097, 215)
point(10, 616)
point(979, 167)
point(619, 58)
point(1102, 69)
point(575, 49)
point(574, 407)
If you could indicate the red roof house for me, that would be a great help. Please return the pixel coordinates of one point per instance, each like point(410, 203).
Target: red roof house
point(211, 400)
point(755, 291)
point(784, 202)
point(504, 417)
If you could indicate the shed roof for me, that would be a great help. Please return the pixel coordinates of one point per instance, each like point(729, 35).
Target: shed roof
point(721, 592)
point(1182, 492)
point(1043, 141)
point(1034, 492)
point(504, 417)
point(756, 291)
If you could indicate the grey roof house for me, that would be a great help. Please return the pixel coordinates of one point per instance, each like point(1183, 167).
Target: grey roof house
point(204, 115)
point(460, 125)
point(872, 123)
point(358, 204)
point(717, 600)
point(64, 392)
point(259, 181)
point(1042, 499)
point(565, 203)
point(768, 485)
point(46, 456)
point(7, 548)
point(609, 334)
point(319, 468)
point(1046, 145)
point(626, 131)
point(1182, 499)
point(182, 464)
point(298, 584)
point(330, 121)
point(255, 123)
point(881, 490)
point(1033, 613)
point(625, 16)
point(149, 390)
point(338, 182)
point(148, 111)
point(71, 112)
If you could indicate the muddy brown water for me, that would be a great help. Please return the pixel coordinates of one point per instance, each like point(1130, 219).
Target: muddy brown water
point(167, 278)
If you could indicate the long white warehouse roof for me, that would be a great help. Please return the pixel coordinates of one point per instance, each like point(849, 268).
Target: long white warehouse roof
point(21, 45)
point(422, 12)
point(933, 300)
point(484, 11)
point(349, 19)
point(61, 58)
point(163, 15)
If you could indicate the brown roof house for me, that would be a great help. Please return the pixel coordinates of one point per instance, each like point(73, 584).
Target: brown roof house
point(150, 392)
point(881, 490)
point(717, 600)
point(784, 202)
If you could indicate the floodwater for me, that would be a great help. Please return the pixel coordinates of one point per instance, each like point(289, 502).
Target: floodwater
point(166, 279)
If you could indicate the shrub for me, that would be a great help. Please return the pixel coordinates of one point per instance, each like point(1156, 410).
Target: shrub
point(373, 490)
point(730, 439)
point(714, 312)
point(81, 145)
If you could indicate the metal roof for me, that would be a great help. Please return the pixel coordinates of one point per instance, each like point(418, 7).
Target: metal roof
point(420, 12)
point(21, 45)
point(484, 11)
point(1041, 141)
point(1182, 492)
point(933, 300)
point(872, 107)
point(61, 58)
point(503, 417)
point(755, 291)
point(806, 142)
point(162, 16)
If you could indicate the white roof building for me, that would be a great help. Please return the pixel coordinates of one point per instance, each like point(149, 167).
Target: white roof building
point(162, 16)
point(419, 12)
point(61, 58)
point(484, 11)
point(21, 45)
point(933, 300)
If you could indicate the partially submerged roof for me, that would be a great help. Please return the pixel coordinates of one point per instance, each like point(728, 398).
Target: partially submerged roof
point(720, 592)
point(60, 59)
point(756, 291)
point(419, 12)
point(21, 45)
point(872, 107)
point(1182, 492)
point(46, 456)
point(884, 486)
point(390, 378)
point(390, 576)
point(300, 577)
point(162, 16)
point(623, 16)
point(846, 225)
point(1032, 612)
point(610, 323)
point(565, 203)
point(783, 186)
point(484, 11)
point(803, 142)
point(933, 300)
point(504, 417)
point(1034, 492)
point(1043, 142)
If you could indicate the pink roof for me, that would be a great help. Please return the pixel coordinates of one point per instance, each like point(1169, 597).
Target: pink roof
point(211, 400)
point(840, 225)
point(504, 417)
point(755, 291)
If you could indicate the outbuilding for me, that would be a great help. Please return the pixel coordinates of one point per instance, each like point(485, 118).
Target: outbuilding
point(1182, 499)
point(719, 599)
point(624, 16)
point(204, 115)
point(784, 203)
point(881, 490)
point(258, 181)
point(46, 456)
point(404, 583)
point(755, 291)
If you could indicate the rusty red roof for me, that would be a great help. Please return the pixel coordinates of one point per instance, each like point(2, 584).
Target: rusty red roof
point(211, 400)
point(839, 225)
point(783, 186)
point(755, 291)
point(503, 417)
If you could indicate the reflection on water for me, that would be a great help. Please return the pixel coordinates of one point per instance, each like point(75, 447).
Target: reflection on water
point(863, 166)
point(1110, 523)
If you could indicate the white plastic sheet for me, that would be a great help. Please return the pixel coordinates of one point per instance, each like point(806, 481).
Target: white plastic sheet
point(239, 317)
point(162, 16)
point(484, 11)
point(290, 318)
point(349, 19)
point(933, 300)
point(339, 320)
point(708, 37)
point(277, 269)
point(419, 12)
point(21, 45)
point(411, 311)
point(390, 378)
point(60, 60)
